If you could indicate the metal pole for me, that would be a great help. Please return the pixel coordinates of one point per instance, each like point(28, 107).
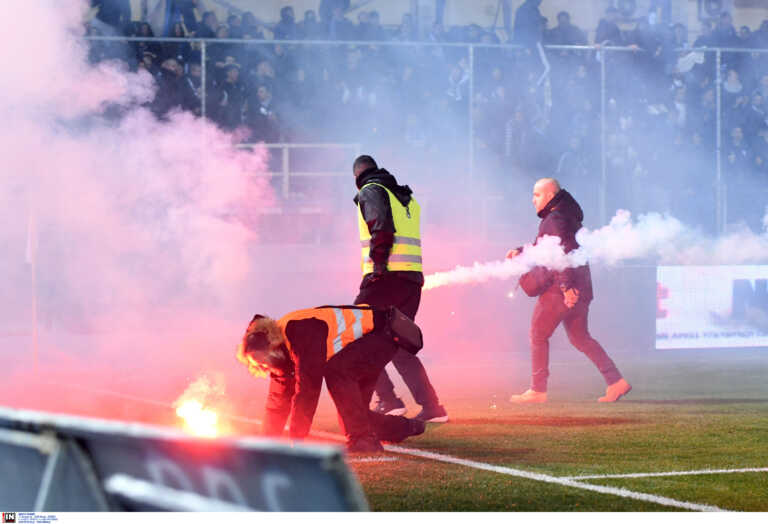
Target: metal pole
point(286, 186)
point(471, 113)
point(203, 88)
point(602, 200)
point(720, 218)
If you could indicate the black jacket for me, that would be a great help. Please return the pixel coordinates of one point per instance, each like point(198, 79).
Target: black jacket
point(562, 217)
point(377, 213)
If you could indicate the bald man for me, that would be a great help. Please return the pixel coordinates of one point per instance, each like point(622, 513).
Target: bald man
point(566, 299)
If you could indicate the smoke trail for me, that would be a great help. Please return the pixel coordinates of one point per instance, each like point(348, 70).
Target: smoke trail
point(663, 238)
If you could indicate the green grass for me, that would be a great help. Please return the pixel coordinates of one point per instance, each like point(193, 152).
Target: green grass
point(703, 422)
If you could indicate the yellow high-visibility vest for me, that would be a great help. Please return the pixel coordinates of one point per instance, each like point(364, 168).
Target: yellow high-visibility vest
point(406, 249)
point(345, 325)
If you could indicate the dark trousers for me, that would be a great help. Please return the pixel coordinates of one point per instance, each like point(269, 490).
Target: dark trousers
point(350, 376)
point(405, 295)
point(547, 315)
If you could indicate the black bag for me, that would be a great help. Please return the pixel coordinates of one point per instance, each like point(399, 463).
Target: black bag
point(404, 331)
point(536, 281)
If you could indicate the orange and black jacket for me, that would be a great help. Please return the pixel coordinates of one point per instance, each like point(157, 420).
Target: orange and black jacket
point(312, 338)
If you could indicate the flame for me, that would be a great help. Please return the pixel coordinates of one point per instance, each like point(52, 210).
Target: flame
point(198, 420)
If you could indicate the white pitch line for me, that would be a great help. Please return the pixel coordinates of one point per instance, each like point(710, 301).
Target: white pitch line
point(373, 459)
point(668, 474)
point(620, 492)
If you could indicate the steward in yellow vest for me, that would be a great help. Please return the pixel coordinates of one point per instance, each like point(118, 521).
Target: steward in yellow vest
point(390, 256)
point(389, 222)
point(348, 346)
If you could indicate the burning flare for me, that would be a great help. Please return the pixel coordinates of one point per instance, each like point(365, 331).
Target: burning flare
point(196, 407)
point(198, 420)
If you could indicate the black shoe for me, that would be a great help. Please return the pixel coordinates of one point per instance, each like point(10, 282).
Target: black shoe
point(432, 414)
point(390, 407)
point(417, 426)
point(364, 445)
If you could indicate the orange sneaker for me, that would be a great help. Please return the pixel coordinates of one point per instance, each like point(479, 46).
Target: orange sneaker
point(529, 397)
point(615, 391)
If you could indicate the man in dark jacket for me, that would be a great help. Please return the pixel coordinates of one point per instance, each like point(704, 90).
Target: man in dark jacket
point(345, 345)
point(529, 23)
point(565, 300)
point(388, 219)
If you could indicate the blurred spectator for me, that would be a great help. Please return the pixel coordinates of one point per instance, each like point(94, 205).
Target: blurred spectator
point(191, 92)
point(705, 39)
point(264, 74)
point(184, 11)
point(235, 25)
point(327, 7)
point(143, 46)
point(407, 32)
point(310, 28)
point(724, 34)
point(608, 32)
point(251, 27)
point(208, 27)
point(114, 13)
point(229, 100)
point(375, 32)
point(529, 23)
point(339, 28)
point(286, 28)
point(179, 50)
point(168, 94)
point(261, 118)
point(565, 33)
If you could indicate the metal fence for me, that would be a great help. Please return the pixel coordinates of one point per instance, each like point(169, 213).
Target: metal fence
point(475, 53)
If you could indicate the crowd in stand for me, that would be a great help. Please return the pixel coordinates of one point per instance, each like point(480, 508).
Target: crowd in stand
point(660, 113)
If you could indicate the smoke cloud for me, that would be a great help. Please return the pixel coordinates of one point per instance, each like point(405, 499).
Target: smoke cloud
point(113, 226)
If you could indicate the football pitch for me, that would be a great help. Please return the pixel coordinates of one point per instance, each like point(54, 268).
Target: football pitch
point(691, 436)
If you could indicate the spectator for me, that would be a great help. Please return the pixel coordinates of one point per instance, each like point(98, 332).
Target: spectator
point(143, 46)
point(754, 118)
point(310, 28)
point(251, 27)
point(608, 32)
point(261, 117)
point(229, 104)
point(375, 31)
point(168, 94)
point(327, 8)
point(529, 23)
point(407, 32)
point(339, 28)
point(724, 34)
point(706, 37)
point(235, 25)
point(184, 11)
point(565, 33)
point(207, 29)
point(114, 13)
point(180, 51)
point(286, 28)
point(264, 74)
point(191, 92)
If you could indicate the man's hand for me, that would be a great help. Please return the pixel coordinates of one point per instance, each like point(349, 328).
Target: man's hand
point(512, 253)
point(570, 297)
point(378, 271)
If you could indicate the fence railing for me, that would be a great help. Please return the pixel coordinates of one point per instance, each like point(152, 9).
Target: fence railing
point(602, 52)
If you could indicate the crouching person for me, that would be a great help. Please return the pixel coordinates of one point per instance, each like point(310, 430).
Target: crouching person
point(349, 347)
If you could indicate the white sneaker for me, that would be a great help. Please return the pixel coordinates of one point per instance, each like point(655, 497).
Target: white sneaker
point(529, 397)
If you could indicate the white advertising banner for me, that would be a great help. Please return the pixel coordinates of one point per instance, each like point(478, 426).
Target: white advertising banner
point(711, 307)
